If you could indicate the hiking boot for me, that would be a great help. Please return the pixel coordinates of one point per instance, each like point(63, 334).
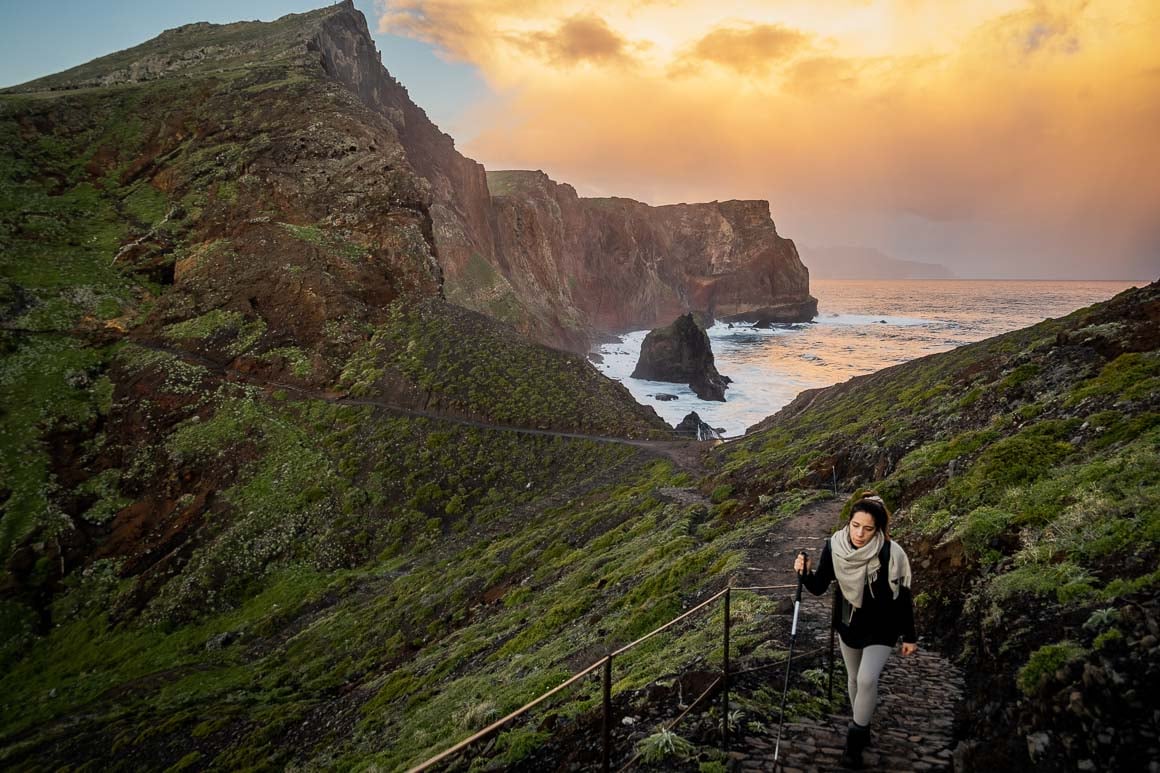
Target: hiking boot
point(857, 738)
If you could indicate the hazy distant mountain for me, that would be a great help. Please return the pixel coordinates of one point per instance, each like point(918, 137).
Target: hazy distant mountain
point(853, 262)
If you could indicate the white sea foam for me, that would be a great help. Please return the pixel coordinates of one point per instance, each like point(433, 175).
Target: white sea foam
point(863, 326)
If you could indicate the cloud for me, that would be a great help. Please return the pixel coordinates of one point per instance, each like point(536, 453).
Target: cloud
point(581, 38)
point(1029, 125)
point(822, 74)
point(750, 50)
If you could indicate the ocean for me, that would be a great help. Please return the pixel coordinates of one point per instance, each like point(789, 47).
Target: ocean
point(862, 326)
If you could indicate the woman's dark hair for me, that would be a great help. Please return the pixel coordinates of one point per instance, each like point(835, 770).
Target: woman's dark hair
point(870, 503)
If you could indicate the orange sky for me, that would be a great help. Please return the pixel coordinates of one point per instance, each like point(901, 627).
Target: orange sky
point(998, 138)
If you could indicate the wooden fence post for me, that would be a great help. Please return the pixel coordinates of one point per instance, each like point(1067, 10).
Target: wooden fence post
point(725, 682)
point(606, 754)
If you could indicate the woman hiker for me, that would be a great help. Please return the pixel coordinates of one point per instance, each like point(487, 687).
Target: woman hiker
point(875, 606)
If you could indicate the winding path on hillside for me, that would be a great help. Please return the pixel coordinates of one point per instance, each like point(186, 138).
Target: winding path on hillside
point(914, 723)
point(685, 453)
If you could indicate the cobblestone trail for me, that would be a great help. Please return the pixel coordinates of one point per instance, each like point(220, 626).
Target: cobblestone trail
point(913, 728)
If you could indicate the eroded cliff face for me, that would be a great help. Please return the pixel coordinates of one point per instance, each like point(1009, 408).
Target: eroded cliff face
point(460, 204)
point(565, 270)
point(516, 246)
point(578, 268)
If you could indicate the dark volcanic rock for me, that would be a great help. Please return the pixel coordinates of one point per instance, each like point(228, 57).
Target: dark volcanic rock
point(694, 426)
point(681, 353)
point(778, 314)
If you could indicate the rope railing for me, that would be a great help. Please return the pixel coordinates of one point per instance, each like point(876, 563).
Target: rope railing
point(501, 722)
point(605, 663)
point(670, 623)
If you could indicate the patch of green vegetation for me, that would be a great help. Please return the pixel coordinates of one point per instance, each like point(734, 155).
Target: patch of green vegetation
point(664, 746)
point(1131, 376)
point(216, 325)
point(327, 241)
point(720, 493)
point(516, 744)
point(145, 204)
point(1020, 376)
point(1018, 459)
point(980, 528)
point(104, 488)
point(469, 364)
point(1107, 638)
point(1066, 581)
point(295, 358)
point(1043, 664)
point(227, 191)
point(47, 385)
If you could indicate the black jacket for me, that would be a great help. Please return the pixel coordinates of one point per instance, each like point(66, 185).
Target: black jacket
point(881, 619)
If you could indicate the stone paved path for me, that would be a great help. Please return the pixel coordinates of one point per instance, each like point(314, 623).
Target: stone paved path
point(913, 727)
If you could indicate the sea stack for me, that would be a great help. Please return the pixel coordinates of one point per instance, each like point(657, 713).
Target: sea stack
point(694, 426)
point(681, 353)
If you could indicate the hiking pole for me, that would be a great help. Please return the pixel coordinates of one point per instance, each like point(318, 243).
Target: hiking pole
point(797, 605)
point(833, 617)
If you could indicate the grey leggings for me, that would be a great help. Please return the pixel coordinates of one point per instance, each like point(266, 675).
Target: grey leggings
point(863, 667)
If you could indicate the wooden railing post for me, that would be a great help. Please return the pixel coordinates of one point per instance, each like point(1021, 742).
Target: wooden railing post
point(606, 754)
point(725, 682)
point(606, 663)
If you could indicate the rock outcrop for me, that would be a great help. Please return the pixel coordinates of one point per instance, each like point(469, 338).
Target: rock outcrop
point(681, 353)
point(585, 266)
point(694, 426)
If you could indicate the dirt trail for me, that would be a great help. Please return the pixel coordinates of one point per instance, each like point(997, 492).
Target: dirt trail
point(913, 727)
point(686, 453)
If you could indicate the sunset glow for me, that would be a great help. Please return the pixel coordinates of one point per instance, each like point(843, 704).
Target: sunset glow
point(964, 135)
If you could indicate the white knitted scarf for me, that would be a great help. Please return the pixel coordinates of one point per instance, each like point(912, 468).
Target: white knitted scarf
point(855, 568)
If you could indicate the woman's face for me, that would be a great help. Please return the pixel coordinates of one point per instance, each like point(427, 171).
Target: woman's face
point(862, 528)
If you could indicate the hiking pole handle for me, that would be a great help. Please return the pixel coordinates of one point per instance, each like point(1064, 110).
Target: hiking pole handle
point(797, 601)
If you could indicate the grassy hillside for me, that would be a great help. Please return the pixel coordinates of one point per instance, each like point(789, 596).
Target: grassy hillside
point(1024, 473)
point(390, 572)
point(205, 546)
point(267, 500)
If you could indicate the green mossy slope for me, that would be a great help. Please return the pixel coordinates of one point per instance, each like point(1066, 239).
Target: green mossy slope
point(209, 553)
point(358, 584)
point(438, 356)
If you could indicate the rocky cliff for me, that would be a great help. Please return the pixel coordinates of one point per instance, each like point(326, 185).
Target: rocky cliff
point(514, 245)
point(562, 269)
point(567, 268)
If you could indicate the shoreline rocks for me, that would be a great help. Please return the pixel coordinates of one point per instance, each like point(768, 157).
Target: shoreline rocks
point(681, 353)
point(694, 426)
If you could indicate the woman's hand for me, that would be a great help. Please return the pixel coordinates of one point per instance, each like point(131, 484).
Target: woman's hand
point(909, 648)
point(801, 564)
